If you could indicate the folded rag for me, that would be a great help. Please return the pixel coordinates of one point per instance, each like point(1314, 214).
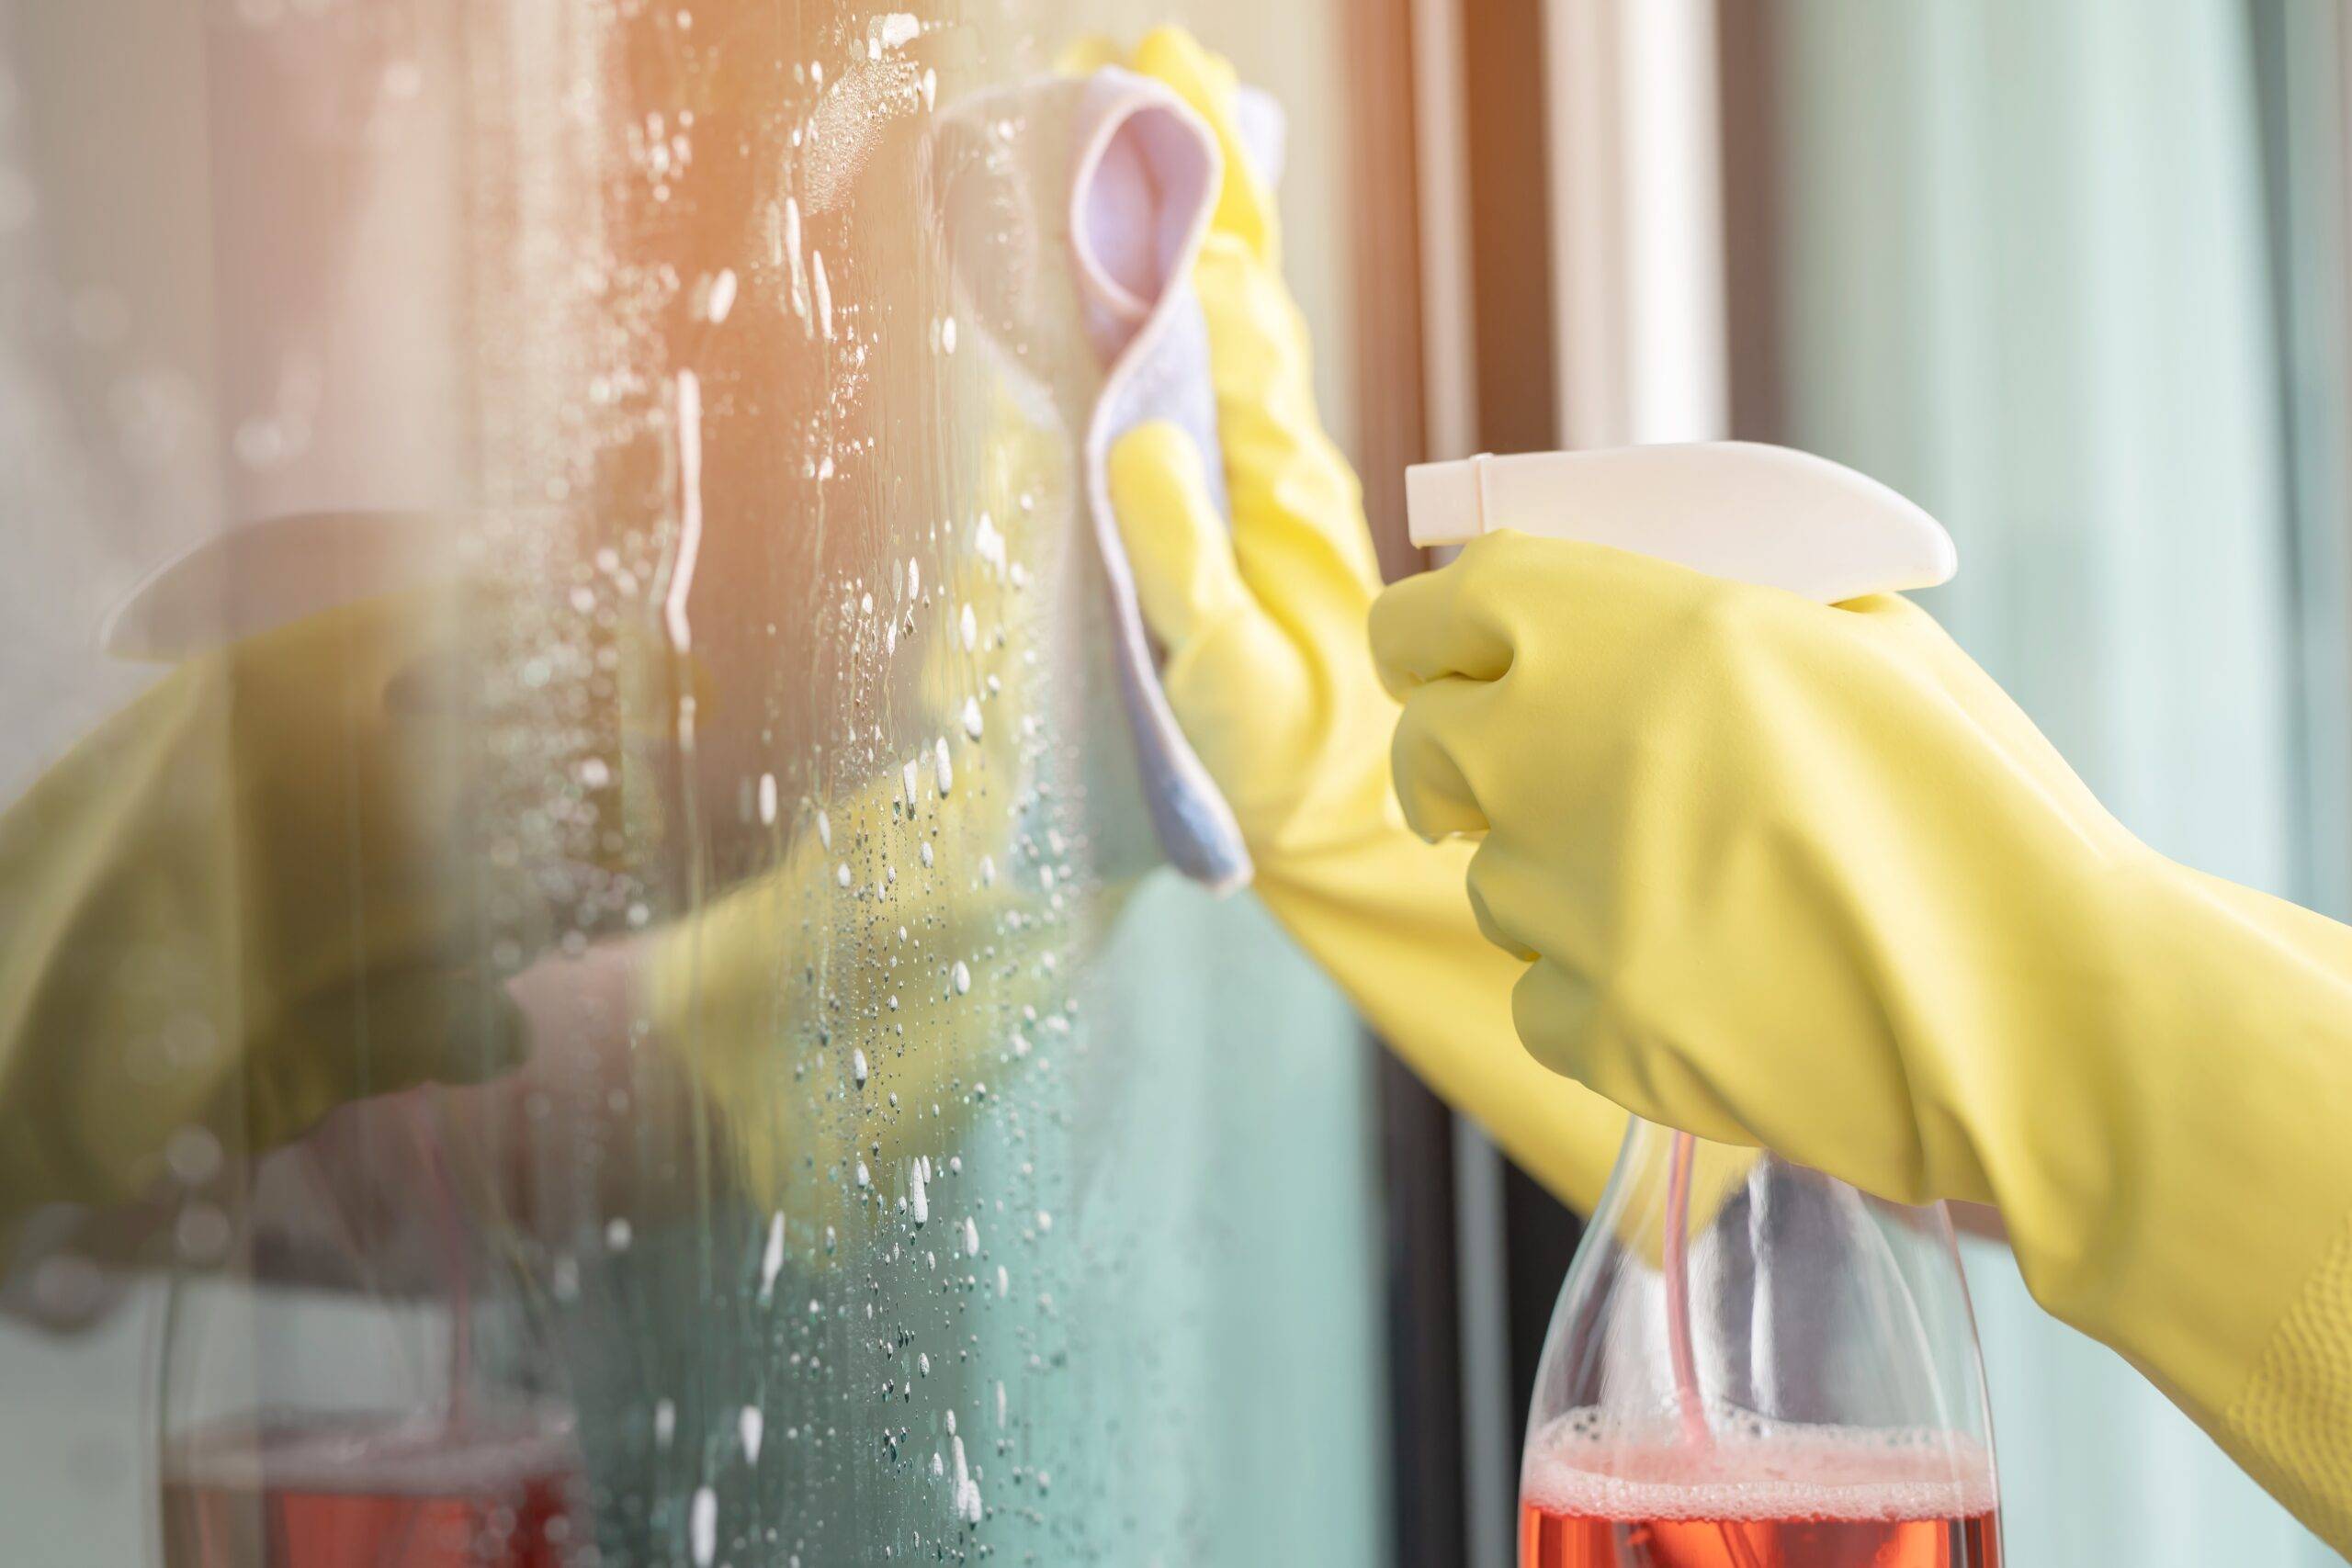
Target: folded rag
point(1132, 174)
point(1144, 180)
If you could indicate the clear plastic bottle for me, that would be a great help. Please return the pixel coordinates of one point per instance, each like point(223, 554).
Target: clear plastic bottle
point(1753, 1365)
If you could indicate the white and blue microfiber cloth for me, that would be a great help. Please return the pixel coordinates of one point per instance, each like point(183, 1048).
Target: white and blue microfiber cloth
point(1134, 174)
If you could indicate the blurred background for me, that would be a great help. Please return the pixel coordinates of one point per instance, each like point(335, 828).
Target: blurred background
point(906, 1168)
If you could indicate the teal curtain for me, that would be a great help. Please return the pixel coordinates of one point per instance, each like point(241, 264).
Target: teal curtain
point(2028, 279)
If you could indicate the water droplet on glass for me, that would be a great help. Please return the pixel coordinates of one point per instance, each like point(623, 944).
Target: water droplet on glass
point(971, 1238)
point(751, 1426)
point(972, 718)
point(824, 830)
point(960, 977)
point(789, 242)
point(718, 295)
point(193, 1155)
point(969, 627)
point(857, 1067)
point(703, 1526)
point(772, 1261)
point(202, 1233)
point(822, 289)
point(768, 800)
point(964, 1488)
point(941, 769)
point(925, 852)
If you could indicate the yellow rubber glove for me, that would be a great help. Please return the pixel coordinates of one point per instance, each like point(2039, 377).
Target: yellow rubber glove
point(243, 900)
point(1267, 671)
point(1800, 876)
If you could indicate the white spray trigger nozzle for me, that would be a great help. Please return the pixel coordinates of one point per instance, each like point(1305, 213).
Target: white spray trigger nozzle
point(1769, 516)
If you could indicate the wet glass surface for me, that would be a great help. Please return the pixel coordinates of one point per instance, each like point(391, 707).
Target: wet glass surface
point(585, 978)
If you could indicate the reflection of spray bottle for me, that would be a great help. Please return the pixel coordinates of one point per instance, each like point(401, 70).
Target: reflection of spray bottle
point(323, 1399)
point(1750, 1362)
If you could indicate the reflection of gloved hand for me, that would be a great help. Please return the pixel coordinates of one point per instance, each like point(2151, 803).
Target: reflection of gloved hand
point(1802, 876)
point(902, 955)
point(1268, 672)
point(243, 900)
point(817, 1071)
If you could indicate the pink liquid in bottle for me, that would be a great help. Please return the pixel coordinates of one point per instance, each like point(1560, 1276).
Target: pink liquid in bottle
point(1790, 1498)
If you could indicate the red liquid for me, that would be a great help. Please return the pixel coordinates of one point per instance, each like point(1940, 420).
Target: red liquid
point(1563, 1541)
point(1596, 1492)
point(372, 1497)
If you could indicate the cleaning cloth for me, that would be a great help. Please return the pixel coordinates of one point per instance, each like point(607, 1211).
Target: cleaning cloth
point(1073, 243)
point(1144, 171)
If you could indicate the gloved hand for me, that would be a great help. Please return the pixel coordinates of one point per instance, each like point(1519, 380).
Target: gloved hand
point(1802, 876)
point(244, 899)
point(1268, 672)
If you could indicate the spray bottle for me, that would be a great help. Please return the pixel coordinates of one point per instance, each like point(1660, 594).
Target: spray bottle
point(1751, 1363)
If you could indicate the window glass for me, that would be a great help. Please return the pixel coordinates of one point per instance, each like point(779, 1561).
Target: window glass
point(587, 979)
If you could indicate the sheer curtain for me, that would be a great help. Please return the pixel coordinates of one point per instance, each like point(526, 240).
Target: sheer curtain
point(2027, 279)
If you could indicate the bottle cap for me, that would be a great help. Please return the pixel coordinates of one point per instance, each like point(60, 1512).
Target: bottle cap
point(1445, 504)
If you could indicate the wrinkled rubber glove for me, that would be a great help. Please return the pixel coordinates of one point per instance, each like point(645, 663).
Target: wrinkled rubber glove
point(1267, 671)
point(1802, 876)
point(247, 899)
